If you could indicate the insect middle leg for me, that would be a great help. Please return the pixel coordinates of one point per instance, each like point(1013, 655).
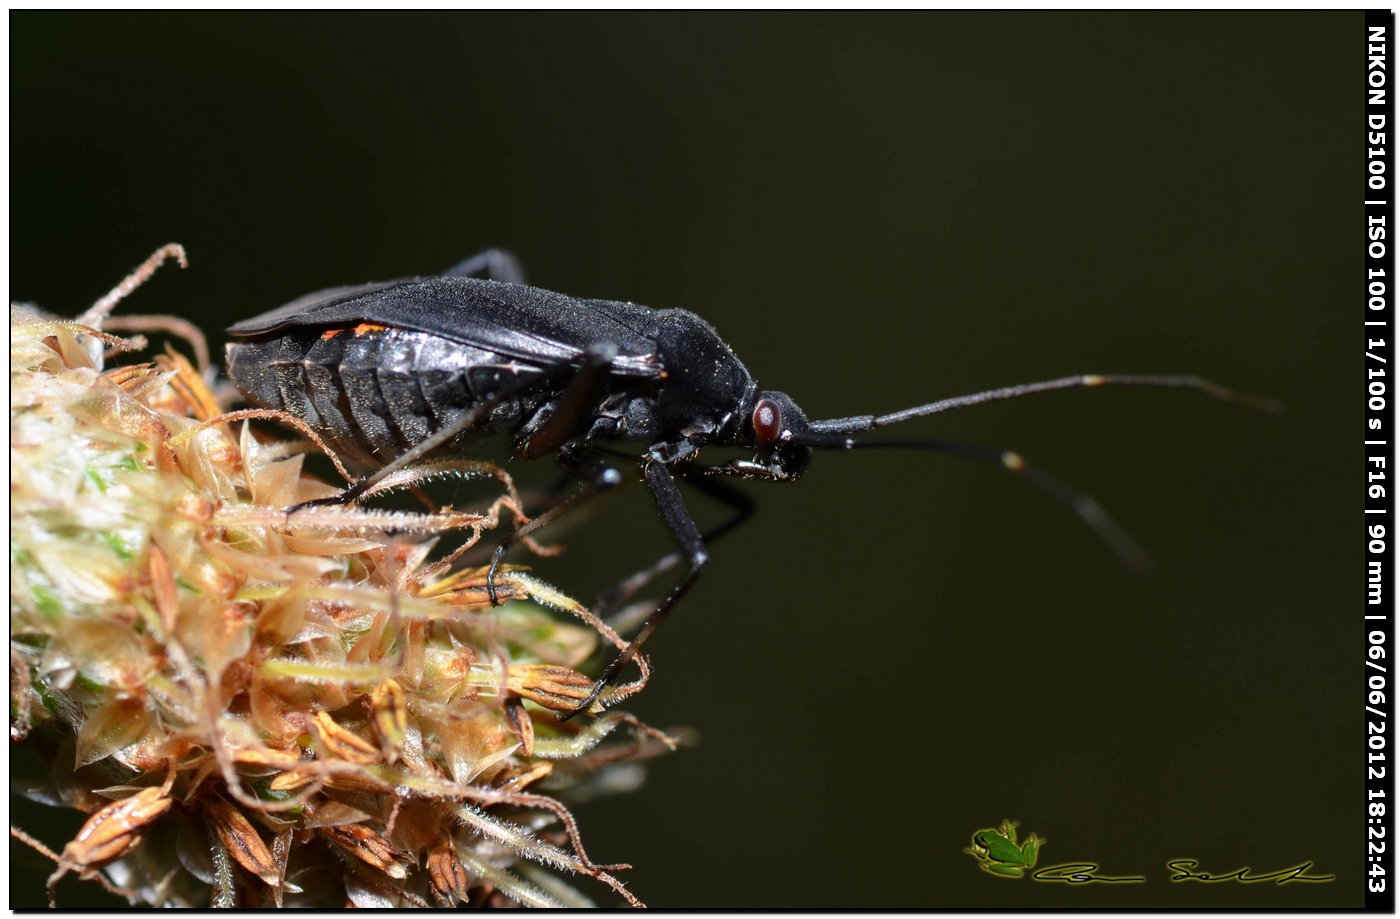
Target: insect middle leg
point(570, 417)
point(596, 477)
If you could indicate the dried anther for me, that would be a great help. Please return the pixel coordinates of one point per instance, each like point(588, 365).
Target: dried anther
point(163, 587)
point(110, 833)
point(445, 873)
point(390, 713)
point(368, 846)
point(241, 840)
point(342, 743)
point(518, 779)
point(522, 725)
point(557, 688)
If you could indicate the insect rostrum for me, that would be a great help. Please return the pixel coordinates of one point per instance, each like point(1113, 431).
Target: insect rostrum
point(389, 373)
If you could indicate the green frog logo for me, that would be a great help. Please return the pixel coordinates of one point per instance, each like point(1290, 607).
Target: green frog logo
point(998, 853)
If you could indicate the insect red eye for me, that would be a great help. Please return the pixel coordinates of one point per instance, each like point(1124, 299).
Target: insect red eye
point(767, 422)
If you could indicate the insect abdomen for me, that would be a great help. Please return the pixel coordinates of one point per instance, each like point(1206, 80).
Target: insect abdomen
point(374, 392)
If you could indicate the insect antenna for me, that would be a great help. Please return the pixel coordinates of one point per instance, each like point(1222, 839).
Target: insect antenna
point(859, 423)
point(835, 433)
point(1078, 503)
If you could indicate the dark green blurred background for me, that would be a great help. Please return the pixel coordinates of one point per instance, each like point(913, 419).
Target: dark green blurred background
point(876, 211)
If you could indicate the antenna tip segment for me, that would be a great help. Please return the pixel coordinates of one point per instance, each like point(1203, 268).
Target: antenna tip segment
point(1225, 394)
point(1133, 556)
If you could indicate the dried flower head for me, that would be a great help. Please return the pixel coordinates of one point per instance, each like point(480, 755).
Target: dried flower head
point(259, 710)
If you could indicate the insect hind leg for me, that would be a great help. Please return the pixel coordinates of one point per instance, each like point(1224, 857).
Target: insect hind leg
point(498, 264)
point(439, 439)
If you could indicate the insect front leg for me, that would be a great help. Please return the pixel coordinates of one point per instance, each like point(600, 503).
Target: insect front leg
point(692, 545)
point(573, 410)
point(737, 501)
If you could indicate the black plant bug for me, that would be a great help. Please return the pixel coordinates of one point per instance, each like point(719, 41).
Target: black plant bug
point(389, 373)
